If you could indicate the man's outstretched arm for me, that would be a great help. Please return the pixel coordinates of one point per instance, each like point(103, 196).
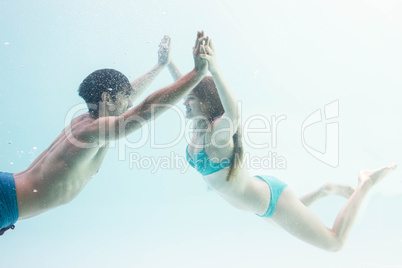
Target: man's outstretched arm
point(140, 84)
point(116, 127)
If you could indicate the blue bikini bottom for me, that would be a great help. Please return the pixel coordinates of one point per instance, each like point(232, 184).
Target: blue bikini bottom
point(276, 186)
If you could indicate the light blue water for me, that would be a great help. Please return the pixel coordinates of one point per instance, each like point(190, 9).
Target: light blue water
point(280, 57)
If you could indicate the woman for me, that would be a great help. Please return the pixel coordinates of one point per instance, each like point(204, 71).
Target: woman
point(216, 152)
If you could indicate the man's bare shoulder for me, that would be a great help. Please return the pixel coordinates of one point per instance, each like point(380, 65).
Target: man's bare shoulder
point(82, 128)
point(79, 118)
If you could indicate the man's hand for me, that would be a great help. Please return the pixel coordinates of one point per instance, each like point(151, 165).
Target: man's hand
point(201, 65)
point(164, 51)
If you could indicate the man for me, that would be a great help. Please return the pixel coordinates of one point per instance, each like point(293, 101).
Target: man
point(60, 173)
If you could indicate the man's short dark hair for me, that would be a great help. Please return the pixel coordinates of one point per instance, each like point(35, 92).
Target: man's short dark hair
point(104, 80)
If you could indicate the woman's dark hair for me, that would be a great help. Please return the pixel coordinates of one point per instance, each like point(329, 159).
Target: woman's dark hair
point(207, 93)
point(104, 80)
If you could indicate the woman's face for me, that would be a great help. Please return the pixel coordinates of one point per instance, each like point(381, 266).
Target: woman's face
point(194, 106)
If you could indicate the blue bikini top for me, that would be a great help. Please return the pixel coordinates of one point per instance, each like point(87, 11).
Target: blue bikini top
point(203, 164)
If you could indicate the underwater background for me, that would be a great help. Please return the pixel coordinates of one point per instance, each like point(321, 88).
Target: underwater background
point(283, 59)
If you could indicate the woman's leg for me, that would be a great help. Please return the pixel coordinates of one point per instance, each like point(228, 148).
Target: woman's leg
point(325, 190)
point(298, 220)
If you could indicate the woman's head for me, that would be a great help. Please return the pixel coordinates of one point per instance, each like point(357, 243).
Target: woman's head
point(204, 101)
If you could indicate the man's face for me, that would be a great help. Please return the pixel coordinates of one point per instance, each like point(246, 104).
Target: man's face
point(122, 102)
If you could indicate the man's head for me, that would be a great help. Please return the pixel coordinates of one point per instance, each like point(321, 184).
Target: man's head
point(108, 86)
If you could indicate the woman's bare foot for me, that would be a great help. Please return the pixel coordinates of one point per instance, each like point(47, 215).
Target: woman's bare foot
point(371, 177)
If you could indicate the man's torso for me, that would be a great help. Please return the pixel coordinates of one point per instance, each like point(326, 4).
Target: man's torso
point(61, 171)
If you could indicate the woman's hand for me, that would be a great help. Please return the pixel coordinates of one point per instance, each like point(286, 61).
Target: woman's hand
point(200, 63)
point(207, 52)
